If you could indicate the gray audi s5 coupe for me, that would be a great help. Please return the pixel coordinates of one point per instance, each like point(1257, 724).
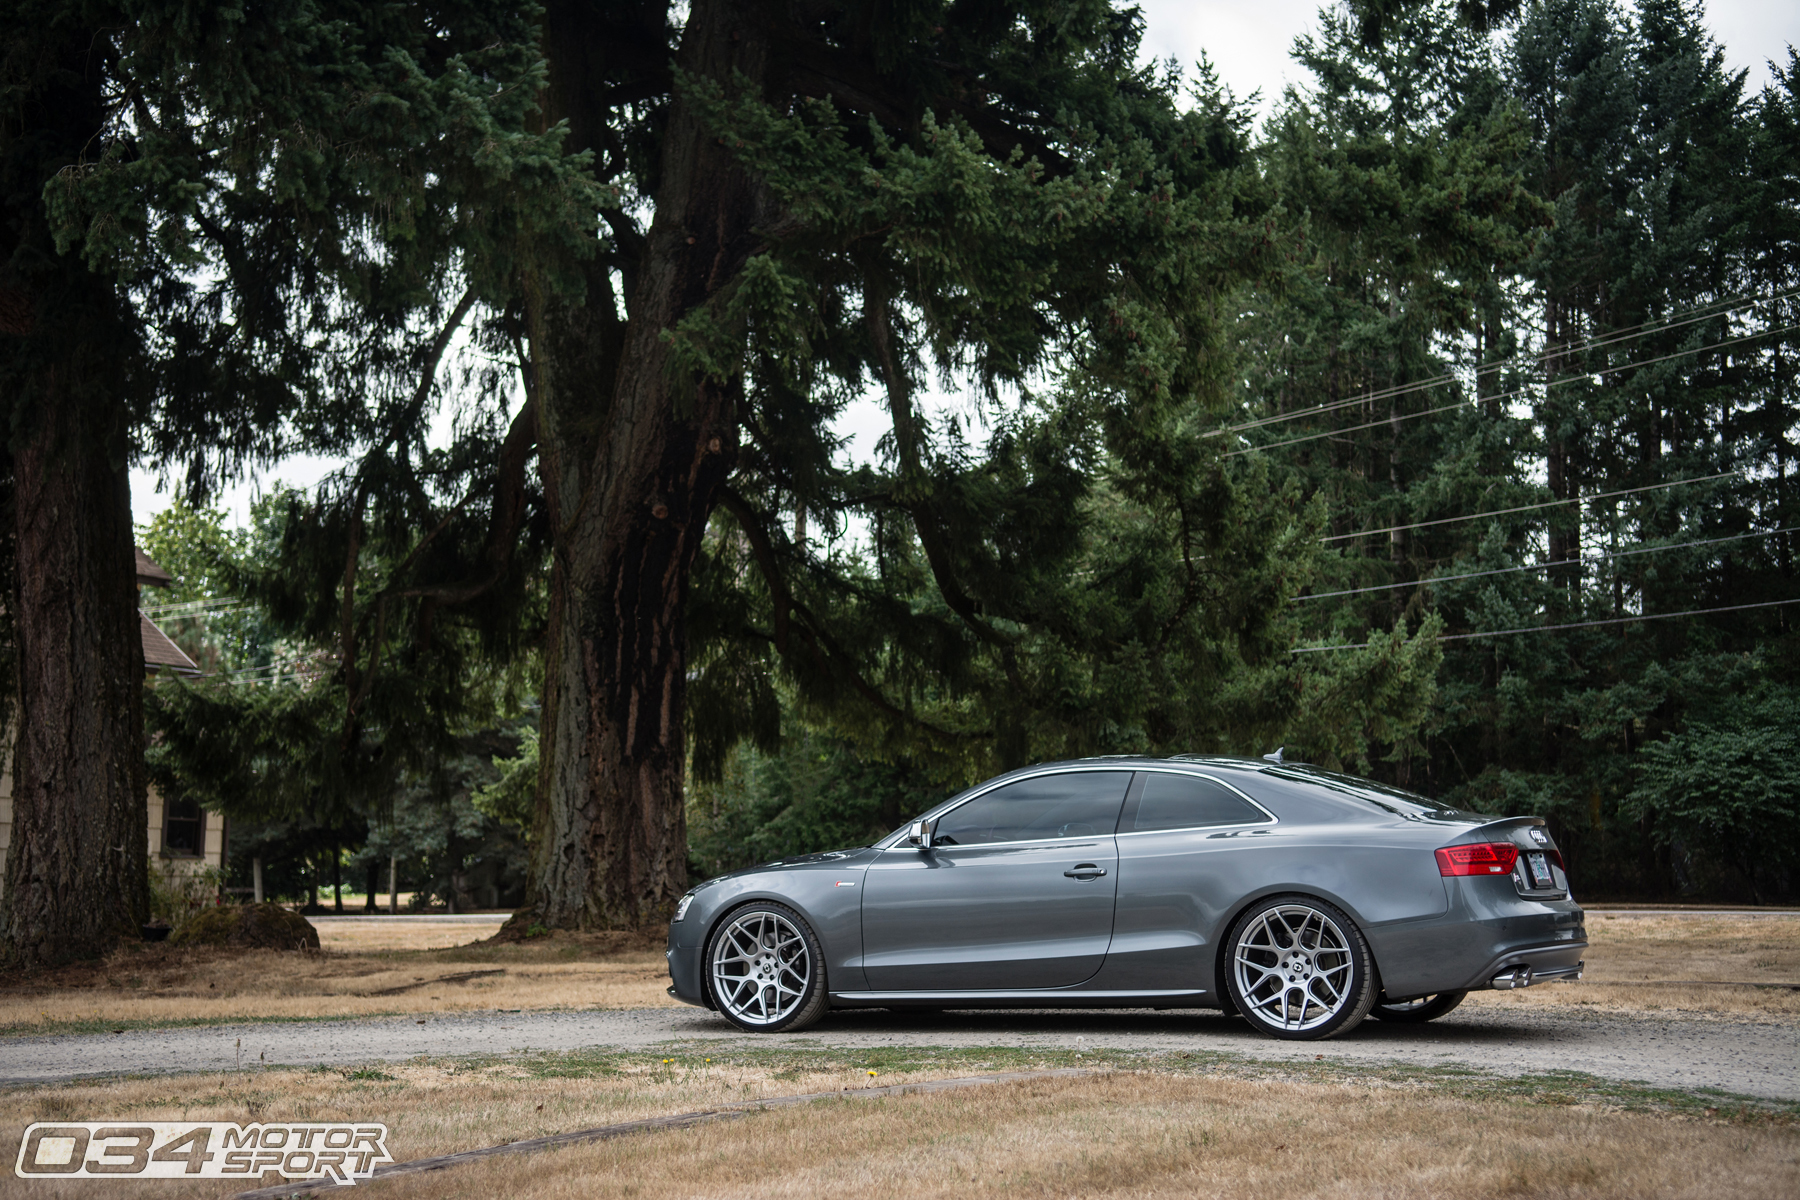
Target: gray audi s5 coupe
point(1301, 899)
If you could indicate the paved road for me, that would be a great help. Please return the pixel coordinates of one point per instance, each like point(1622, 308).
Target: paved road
point(1757, 1058)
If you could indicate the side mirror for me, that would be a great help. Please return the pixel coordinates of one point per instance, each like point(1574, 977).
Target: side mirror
point(920, 834)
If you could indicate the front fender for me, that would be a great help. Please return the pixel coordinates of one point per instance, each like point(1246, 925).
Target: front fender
point(826, 890)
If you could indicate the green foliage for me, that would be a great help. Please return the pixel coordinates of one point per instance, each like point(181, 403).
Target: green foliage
point(512, 798)
point(1064, 560)
point(1514, 261)
point(814, 793)
point(1729, 789)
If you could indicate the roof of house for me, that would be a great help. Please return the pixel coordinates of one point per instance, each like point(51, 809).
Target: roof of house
point(149, 574)
point(162, 654)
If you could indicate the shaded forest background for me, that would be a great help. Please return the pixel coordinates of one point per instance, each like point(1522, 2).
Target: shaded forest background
point(1489, 497)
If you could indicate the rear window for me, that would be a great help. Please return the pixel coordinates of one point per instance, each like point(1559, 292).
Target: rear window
point(1395, 800)
point(1172, 801)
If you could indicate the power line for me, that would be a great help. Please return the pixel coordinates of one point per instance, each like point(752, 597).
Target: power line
point(1388, 587)
point(274, 666)
point(1630, 333)
point(1463, 637)
point(1581, 377)
point(175, 611)
point(1500, 512)
point(210, 602)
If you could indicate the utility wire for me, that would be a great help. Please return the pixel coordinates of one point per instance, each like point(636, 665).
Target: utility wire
point(173, 610)
point(211, 602)
point(1566, 379)
point(274, 666)
point(1500, 512)
point(1388, 587)
point(1516, 362)
point(1463, 637)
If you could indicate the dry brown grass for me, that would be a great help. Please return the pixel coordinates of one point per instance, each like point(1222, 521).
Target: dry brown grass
point(1126, 1134)
point(161, 983)
point(1630, 958)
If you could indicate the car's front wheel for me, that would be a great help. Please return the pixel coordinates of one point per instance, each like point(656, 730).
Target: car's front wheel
point(1299, 968)
point(1417, 1010)
point(766, 970)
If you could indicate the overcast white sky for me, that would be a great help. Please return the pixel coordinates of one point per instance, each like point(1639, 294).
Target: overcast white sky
point(1248, 44)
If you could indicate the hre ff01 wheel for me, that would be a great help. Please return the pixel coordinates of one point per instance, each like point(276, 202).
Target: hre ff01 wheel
point(765, 969)
point(1298, 968)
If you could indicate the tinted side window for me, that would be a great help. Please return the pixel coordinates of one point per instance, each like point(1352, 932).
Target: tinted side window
point(1186, 801)
point(1079, 804)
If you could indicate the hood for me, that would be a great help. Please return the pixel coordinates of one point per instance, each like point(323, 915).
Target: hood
point(793, 862)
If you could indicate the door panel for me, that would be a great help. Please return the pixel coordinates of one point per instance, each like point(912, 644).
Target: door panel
point(963, 917)
point(1001, 905)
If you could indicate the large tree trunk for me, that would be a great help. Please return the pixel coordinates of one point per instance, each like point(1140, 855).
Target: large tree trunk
point(633, 460)
point(76, 879)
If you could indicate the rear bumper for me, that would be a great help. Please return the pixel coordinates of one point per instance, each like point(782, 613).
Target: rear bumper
point(1530, 965)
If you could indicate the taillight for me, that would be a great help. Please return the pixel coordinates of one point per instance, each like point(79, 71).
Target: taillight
point(1482, 858)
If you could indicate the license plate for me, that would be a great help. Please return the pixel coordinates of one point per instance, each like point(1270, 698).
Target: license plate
point(1538, 863)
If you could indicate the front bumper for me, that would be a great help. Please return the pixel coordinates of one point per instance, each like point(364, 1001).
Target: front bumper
point(684, 975)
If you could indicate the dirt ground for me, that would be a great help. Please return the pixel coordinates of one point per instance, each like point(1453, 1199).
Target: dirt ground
point(1136, 1133)
point(1719, 965)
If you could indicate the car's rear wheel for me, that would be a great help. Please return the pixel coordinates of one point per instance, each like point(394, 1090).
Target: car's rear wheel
point(765, 969)
point(1299, 968)
point(1417, 1010)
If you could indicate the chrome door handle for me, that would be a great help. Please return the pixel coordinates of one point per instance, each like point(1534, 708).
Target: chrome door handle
point(1084, 872)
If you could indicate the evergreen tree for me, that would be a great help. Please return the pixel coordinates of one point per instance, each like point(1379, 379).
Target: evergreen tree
point(1610, 386)
point(209, 211)
point(841, 197)
point(1379, 354)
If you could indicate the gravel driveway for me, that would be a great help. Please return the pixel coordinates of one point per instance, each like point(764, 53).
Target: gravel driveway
point(1749, 1057)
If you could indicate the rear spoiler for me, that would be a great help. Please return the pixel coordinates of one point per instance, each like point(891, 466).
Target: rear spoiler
point(1500, 830)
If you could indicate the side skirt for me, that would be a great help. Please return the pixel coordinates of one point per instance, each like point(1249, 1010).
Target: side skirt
point(1029, 998)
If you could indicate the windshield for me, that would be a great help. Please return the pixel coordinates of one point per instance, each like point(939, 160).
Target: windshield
point(1398, 801)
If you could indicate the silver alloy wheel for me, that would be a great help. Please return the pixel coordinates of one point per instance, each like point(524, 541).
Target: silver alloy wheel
point(1294, 967)
point(760, 968)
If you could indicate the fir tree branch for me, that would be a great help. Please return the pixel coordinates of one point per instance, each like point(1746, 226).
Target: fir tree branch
point(826, 652)
point(906, 442)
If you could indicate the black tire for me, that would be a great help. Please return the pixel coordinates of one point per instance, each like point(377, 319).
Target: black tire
point(1297, 968)
point(1416, 1011)
point(765, 970)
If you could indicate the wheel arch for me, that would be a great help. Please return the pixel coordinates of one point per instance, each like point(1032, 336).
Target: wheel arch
point(735, 905)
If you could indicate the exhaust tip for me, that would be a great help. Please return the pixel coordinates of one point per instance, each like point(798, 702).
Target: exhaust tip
point(1517, 977)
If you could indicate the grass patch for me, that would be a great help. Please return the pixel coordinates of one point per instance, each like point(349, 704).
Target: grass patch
point(1153, 1123)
